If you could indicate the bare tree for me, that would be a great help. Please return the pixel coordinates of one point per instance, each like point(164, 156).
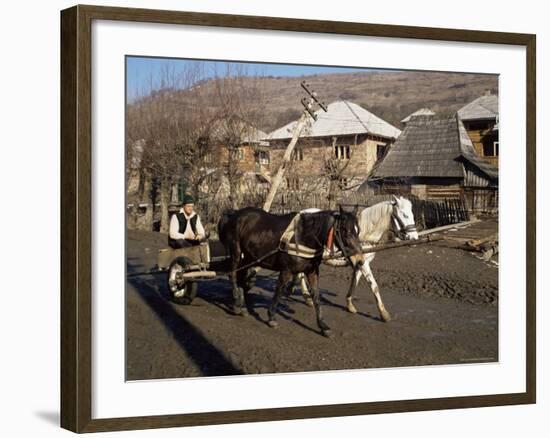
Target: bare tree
point(172, 122)
point(184, 120)
point(239, 104)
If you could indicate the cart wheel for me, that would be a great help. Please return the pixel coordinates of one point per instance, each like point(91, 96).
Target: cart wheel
point(181, 291)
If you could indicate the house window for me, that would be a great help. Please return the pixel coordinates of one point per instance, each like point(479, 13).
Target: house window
point(380, 151)
point(293, 183)
point(343, 182)
point(263, 157)
point(490, 149)
point(239, 154)
point(209, 180)
point(478, 125)
point(298, 154)
point(342, 152)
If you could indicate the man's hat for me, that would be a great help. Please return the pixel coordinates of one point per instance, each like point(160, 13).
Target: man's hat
point(188, 199)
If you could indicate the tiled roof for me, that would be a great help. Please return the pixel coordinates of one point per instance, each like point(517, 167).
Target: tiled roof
point(432, 146)
point(342, 118)
point(420, 112)
point(484, 107)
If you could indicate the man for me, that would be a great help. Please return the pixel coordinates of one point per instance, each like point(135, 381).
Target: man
point(185, 226)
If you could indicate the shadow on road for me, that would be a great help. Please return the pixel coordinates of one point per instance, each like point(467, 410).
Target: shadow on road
point(209, 359)
point(218, 293)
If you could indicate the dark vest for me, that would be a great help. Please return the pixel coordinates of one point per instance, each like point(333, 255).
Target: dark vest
point(183, 223)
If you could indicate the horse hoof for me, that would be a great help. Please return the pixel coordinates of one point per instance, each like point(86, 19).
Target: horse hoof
point(385, 316)
point(244, 312)
point(309, 302)
point(352, 309)
point(328, 334)
point(272, 324)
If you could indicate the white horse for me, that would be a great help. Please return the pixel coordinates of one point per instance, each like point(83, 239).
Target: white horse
point(374, 222)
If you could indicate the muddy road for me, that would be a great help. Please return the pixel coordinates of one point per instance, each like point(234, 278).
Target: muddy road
point(443, 300)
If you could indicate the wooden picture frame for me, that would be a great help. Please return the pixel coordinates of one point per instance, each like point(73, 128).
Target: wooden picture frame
point(76, 218)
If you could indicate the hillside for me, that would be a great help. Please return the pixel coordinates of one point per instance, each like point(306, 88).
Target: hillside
point(390, 95)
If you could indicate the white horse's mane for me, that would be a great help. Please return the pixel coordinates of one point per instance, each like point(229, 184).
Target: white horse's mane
point(374, 221)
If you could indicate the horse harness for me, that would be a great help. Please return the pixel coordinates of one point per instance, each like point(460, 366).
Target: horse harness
point(334, 234)
point(402, 229)
point(297, 249)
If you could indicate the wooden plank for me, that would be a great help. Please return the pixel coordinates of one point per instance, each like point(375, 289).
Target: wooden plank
point(448, 227)
point(338, 260)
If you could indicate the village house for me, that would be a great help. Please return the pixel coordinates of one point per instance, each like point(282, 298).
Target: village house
point(434, 158)
point(251, 155)
point(242, 145)
point(480, 118)
point(249, 167)
point(341, 147)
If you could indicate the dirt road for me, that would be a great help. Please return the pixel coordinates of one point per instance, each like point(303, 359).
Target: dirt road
point(443, 300)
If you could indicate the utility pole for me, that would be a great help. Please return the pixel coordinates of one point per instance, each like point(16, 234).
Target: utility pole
point(308, 103)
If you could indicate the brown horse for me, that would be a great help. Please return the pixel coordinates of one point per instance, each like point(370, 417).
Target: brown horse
point(252, 237)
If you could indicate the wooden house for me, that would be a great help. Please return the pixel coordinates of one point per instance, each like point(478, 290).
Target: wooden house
point(343, 144)
point(244, 141)
point(241, 144)
point(434, 158)
point(237, 140)
point(480, 118)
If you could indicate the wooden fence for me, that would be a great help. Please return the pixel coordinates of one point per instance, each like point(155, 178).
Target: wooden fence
point(431, 214)
point(427, 213)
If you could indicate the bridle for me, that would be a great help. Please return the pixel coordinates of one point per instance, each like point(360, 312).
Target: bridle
point(338, 237)
point(400, 228)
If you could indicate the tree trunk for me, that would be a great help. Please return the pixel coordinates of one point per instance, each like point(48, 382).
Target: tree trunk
point(331, 195)
point(232, 179)
point(147, 199)
point(164, 203)
point(132, 217)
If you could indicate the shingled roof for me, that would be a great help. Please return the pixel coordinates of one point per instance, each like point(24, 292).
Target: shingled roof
point(420, 112)
point(342, 118)
point(432, 146)
point(482, 108)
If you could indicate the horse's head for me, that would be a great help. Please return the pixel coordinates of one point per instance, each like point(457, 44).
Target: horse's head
point(346, 236)
point(403, 219)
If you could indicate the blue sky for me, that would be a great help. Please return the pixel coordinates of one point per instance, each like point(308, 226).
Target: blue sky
point(139, 70)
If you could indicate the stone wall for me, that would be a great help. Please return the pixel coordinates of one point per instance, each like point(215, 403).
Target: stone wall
point(313, 157)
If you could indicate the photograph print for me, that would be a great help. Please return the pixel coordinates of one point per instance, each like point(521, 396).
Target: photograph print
point(295, 218)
